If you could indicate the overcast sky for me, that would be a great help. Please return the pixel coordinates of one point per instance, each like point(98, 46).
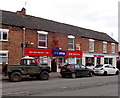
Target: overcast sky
point(99, 15)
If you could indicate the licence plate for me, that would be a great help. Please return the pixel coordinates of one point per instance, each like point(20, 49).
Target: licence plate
point(63, 69)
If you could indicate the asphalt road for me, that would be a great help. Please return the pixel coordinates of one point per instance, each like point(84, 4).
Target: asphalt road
point(57, 86)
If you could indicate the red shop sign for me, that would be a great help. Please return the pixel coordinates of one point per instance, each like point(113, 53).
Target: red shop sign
point(73, 54)
point(38, 52)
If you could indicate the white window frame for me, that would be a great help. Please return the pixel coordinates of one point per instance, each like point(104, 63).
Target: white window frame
point(71, 37)
point(42, 33)
point(91, 50)
point(4, 52)
point(113, 47)
point(104, 44)
point(4, 30)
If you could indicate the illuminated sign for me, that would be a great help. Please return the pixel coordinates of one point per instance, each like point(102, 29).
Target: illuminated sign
point(59, 53)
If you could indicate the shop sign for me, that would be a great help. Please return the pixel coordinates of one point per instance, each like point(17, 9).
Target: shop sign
point(38, 52)
point(73, 54)
point(59, 53)
point(98, 55)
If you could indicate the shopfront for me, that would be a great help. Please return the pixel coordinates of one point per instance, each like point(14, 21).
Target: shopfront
point(42, 56)
point(54, 59)
point(64, 57)
point(96, 58)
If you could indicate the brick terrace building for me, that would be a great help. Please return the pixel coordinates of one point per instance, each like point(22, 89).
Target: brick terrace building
point(52, 42)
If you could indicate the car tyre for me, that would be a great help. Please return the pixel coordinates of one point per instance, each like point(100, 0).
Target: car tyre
point(44, 75)
point(15, 77)
point(117, 73)
point(73, 75)
point(105, 73)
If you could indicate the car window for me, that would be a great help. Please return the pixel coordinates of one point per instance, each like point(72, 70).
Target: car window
point(106, 66)
point(98, 66)
point(110, 66)
point(77, 66)
point(82, 66)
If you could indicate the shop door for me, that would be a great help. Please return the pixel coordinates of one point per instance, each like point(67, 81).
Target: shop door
point(60, 62)
point(53, 65)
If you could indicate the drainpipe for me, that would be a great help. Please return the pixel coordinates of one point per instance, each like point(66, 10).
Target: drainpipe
point(23, 51)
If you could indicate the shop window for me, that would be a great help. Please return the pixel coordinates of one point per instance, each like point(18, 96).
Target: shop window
point(104, 47)
point(3, 57)
point(108, 61)
point(4, 35)
point(42, 39)
point(113, 48)
point(91, 45)
point(71, 60)
point(78, 60)
point(89, 61)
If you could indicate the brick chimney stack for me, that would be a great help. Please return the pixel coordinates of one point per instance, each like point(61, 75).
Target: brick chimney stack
point(22, 12)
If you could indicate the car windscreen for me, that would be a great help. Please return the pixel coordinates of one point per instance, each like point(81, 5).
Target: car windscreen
point(98, 66)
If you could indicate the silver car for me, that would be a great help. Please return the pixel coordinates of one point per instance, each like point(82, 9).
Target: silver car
point(105, 69)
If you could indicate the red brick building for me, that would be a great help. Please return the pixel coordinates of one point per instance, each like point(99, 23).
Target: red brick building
point(52, 42)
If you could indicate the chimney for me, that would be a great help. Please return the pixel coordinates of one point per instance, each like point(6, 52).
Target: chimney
point(22, 12)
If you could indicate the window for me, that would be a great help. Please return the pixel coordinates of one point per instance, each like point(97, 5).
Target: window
point(71, 42)
point(113, 48)
point(91, 45)
point(77, 66)
point(82, 66)
point(4, 35)
point(3, 57)
point(108, 60)
point(42, 39)
point(104, 47)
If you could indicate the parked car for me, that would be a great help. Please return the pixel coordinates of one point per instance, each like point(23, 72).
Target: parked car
point(90, 66)
point(75, 70)
point(28, 66)
point(105, 69)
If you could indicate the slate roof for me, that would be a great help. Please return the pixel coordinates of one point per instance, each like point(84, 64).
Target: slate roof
point(36, 23)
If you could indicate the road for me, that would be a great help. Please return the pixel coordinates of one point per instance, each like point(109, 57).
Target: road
point(57, 86)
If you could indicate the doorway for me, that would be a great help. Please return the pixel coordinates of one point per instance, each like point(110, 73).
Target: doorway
point(53, 65)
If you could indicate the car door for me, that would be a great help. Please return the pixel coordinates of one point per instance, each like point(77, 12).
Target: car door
point(84, 70)
point(112, 69)
point(77, 69)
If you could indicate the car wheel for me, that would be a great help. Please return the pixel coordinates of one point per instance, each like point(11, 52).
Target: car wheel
point(73, 75)
point(105, 73)
point(90, 74)
point(44, 75)
point(117, 73)
point(15, 77)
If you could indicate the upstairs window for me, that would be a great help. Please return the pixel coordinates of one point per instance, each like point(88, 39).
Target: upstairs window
point(91, 45)
point(4, 34)
point(104, 47)
point(71, 42)
point(42, 39)
point(113, 47)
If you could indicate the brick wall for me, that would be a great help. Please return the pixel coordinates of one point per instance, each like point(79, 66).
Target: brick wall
point(98, 45)
point(15, 38)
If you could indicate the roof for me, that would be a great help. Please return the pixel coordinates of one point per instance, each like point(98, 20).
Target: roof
point(36, 23)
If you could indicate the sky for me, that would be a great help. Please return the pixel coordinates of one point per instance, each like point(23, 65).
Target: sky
point(98, 15)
